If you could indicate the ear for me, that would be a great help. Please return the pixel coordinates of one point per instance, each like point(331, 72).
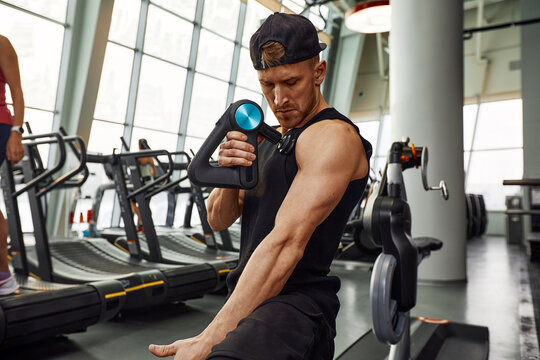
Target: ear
point(320, 72)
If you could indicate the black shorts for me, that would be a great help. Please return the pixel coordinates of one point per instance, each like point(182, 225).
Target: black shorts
point(282, 328)
point(5, 133)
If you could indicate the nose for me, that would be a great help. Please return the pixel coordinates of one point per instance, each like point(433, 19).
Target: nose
point(280, 97)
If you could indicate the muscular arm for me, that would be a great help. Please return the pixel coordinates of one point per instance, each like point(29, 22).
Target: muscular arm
point(224, 207)
point(326, 165)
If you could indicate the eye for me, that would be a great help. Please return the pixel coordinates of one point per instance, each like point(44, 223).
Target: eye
point(290, 82)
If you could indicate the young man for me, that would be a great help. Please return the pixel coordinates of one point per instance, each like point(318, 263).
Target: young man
point(282, 304)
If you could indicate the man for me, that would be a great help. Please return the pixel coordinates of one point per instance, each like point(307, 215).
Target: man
point(282, 304)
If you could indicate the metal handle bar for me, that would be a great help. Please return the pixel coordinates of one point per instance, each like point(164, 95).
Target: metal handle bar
point(82, 166)
point(155, 182)
point(58, 166)
point(175, 166)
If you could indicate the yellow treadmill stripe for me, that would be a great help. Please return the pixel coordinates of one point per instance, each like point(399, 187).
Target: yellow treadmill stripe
point(142, 286)
point(116, 294)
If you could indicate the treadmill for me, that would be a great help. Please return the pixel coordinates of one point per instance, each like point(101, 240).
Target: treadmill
point(74, 261)
point(42, 309)
point(229, 239)
point(168, 246)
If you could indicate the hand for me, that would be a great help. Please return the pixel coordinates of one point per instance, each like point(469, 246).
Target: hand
point(236, 151)
point(15, 148)
point(189, 349)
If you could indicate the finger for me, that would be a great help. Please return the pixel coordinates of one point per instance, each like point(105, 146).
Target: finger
point(236, 135)
point(235, 144)
point(234, 161)
point(162, 350)
point(235, 153)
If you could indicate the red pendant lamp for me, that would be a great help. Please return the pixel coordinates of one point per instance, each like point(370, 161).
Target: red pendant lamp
point(369, 17)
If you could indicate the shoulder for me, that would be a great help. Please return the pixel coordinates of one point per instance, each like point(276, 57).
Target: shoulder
point(334, 145)
point(329, 132)
point(6, 47)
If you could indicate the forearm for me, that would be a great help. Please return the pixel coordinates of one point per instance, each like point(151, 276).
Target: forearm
point(224, 207)
point(264, 276)
point(18, 107)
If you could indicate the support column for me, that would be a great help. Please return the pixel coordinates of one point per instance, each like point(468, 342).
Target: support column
point(530, 93)
point(426, 104)
point(80, 73)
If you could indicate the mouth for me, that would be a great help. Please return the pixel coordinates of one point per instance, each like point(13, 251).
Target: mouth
point(285, 112)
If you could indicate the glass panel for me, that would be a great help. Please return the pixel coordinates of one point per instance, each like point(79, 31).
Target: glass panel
point(124, 22)
point(40, 121)
point(38, 44)
point(270, 117)
point(161, 91)
point(104, 137)
point(247, 75)
point(192, 144)
point(469, 117)
point(221, 16)
point(240, 94)
point(255, 15)
point(500, 125)
point(185, 8)
point(168, 36)
point(466, 157)
point(54, 9)
point(207, 105)
point(215, 55)
point(486, 175)
point(295, 6)
point(315, 18)
point(159, 206)
point(111, 103)
point(105, 215)
point(157, 140)
point(369, 130)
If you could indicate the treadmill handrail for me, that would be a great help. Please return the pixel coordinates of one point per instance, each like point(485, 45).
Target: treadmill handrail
point(58, 166)
point(175, 166)
point(160, 179)
point(67, 176)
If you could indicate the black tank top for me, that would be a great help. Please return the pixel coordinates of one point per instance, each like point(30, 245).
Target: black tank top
point(277, 169)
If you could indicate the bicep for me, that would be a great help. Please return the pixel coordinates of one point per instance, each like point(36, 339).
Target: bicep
point(319, 185)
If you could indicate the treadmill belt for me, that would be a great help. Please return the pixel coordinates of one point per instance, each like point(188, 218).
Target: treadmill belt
point(88, 257)
point(189, 250)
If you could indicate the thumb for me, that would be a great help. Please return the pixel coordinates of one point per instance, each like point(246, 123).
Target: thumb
point(162, 350)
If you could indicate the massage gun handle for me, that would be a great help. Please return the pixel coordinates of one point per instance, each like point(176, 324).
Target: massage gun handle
point(201, 173)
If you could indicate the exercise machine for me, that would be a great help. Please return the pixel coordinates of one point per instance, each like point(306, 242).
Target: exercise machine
point(394, 279)
point(74, 261)
point(176, 248)
point(42, 309)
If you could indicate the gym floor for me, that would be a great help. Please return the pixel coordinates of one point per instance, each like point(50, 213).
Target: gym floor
point(491, 297)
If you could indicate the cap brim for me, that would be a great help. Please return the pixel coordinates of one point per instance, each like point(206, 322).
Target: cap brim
point(322, 45)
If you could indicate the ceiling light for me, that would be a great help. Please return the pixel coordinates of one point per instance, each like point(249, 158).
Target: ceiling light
point(369, 17)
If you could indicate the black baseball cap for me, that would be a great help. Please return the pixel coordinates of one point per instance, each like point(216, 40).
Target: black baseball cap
point(295, 32)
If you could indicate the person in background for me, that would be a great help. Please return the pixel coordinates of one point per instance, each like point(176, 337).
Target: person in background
point(147, 168)
point(11, 147)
